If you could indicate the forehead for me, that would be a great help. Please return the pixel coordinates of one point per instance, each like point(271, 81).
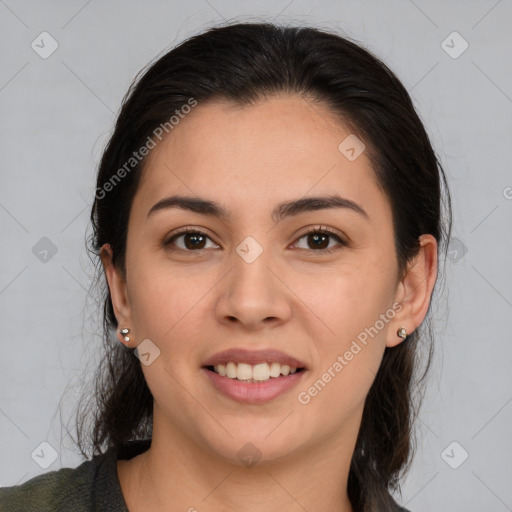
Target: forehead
point(285, 146)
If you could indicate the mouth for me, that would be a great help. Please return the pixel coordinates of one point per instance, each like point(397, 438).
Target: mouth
point(257, 373)
point(253, 384)
point(254, 376)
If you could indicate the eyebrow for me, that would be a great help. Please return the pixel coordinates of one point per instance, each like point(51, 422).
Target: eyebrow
point(282, 210)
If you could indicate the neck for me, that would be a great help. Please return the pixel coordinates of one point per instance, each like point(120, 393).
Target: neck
point(181, 476)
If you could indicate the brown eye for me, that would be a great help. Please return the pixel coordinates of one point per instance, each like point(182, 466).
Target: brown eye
point(194, 240)
point(191, 240)
point(319, 239)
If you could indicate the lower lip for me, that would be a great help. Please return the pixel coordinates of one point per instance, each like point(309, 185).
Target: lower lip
point(254, 392)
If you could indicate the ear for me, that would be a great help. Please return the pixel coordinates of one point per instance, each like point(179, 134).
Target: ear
point(415, 290)
point(118, 292)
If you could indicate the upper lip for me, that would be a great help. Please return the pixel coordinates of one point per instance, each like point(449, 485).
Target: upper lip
point(252, 357)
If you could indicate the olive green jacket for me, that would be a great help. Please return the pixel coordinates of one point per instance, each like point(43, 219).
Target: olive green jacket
point(92, 486)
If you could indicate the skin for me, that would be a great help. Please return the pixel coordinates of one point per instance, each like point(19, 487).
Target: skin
point(192, 305)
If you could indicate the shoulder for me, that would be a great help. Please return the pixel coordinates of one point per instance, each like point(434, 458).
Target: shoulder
point(56, 490)
point(92, 486)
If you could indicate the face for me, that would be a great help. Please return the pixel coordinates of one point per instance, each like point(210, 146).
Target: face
point(253, 281)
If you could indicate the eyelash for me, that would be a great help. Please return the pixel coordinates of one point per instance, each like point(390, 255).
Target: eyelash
point(320, 230)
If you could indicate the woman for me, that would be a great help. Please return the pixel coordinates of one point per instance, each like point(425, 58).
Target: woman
point(269, 216)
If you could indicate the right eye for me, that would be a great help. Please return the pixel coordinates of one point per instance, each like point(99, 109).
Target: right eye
point(193, 240)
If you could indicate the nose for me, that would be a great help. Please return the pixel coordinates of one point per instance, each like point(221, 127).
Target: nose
point(254, 295)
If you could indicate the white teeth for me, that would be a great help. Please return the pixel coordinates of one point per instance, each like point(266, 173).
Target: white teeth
point(231, 370)
point(275, 370)
point(244, 371)
point(258, 372)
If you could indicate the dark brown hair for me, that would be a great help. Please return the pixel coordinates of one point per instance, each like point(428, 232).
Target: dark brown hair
point(244, 63)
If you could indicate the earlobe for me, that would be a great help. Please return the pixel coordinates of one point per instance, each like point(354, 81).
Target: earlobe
point(414, 291)
point(117, 287)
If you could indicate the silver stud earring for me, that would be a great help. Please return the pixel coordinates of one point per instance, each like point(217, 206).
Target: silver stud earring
point(402, 333)
point(125, 333)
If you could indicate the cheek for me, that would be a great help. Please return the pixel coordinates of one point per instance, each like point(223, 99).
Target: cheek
point(350, 299)
point(355, 308)
point(165, 300)
point(338, 391)
point(169, 308)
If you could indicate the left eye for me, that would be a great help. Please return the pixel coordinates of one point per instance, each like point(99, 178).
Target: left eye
point(316, 239)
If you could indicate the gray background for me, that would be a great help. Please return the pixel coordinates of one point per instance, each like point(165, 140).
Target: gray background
point(56, 114)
